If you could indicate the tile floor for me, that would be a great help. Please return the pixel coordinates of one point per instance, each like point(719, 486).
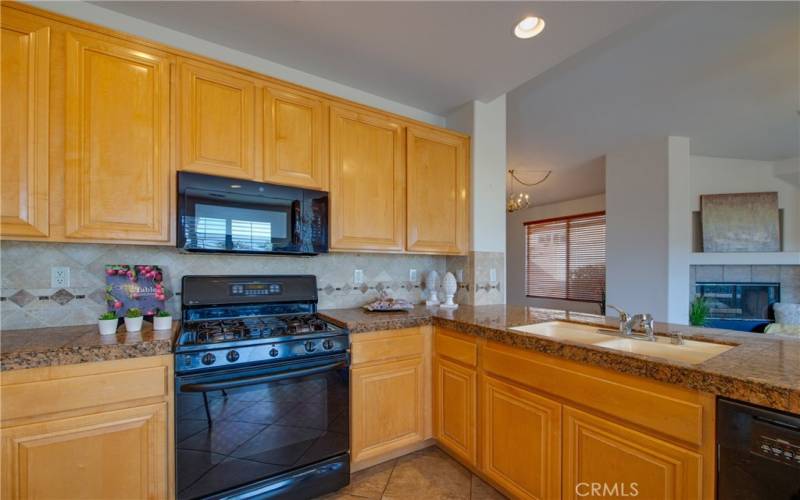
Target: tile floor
point(428, 474)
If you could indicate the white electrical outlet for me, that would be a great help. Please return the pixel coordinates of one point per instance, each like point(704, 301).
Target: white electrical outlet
point(493, 275)
point(358, 276)
point(59, 277)
point(412, 275)
point(460, 275)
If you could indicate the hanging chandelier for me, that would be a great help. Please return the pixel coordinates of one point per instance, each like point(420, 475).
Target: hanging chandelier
point(521, 200)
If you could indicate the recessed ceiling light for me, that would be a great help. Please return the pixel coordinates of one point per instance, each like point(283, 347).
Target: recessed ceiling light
point(529, 27)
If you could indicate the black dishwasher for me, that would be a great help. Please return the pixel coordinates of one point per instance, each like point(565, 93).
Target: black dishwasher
point(758, 453)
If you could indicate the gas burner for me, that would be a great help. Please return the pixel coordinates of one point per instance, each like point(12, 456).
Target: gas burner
point(249, 328)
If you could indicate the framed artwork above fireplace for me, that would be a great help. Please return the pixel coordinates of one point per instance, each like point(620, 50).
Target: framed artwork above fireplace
point(740, 222)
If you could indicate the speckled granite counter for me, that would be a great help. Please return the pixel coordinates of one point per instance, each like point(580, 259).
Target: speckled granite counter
point(761, 369)
point(67, 345)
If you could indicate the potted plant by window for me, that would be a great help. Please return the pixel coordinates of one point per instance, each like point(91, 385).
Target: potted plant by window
point(107, 323)
point(162, 320)
point(133, 320)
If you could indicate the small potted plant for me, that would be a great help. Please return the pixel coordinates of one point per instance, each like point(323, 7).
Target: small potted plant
point(698, 311)
point(133, 320)
point(162, 320)
point(107, 323)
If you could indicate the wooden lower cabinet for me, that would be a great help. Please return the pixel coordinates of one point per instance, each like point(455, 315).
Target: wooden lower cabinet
point(114, 454)
point(454, 389)
point(521, 440)
point(390, 391)
point(603, 458)
point(88, 431)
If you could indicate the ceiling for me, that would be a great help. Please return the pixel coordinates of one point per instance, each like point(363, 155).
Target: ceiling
point(433, 56)
point(726, 75)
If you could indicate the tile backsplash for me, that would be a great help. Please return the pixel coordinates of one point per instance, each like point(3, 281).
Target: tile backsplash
point(28, 301)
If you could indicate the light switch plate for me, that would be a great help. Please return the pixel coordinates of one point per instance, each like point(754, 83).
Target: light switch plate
point(493, 275)
point(412, 275)
point(460, 275)
point(358, 276)
point(59, 277)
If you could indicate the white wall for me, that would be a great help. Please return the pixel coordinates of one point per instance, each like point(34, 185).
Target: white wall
point(645, 210)
point(94, 14)
point(516, 252)
point(486, 124)
point(711, 175)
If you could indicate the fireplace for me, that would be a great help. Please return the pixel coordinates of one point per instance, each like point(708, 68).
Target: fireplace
point(739, 306)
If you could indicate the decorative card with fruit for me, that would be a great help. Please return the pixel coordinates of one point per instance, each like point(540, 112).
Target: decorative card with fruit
point(139, 286)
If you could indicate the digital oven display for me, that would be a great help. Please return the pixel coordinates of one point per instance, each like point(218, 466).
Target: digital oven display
point(252, 289)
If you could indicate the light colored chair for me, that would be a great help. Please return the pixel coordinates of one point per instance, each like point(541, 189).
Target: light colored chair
point(787, 319)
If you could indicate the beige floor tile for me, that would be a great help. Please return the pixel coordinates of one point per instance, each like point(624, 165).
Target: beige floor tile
point(370, 483)
point(482, 491)
point(428, 474)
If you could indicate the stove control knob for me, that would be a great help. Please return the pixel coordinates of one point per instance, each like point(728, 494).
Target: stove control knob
point(208, 359)
point(327, 345)
point(273, 352)
point(232, 356)
point(310, 346)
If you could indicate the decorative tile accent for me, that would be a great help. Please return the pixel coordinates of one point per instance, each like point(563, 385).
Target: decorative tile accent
point(62, 297)
point(98, 296)
point(329, 289)
point(22, 298)
point(26, 267)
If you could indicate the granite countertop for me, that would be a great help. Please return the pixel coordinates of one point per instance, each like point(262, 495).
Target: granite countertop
point(761, 369)
point(66, 345)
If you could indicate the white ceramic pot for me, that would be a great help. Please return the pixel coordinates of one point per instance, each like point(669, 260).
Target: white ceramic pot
point(162, 322)
point(134, 324)
point(107, 326)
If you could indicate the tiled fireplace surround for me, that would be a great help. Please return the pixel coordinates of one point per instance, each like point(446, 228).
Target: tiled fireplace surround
point(787, 276)
point(28, 301)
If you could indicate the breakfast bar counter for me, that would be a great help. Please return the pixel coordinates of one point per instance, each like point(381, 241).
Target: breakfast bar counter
point(760, 369)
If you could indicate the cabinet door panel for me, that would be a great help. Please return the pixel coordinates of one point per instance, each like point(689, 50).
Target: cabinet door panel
point(387, 407)
point(622, 460)
point(24, 171)
point(367, 182)
point(294, 139)
point(437, 192)
point(522, 440)
point(118, 173)
point(217, 122)
point(115, 454)
point(455, 409)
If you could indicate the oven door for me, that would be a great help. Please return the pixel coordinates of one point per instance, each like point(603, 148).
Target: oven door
point(241, 427)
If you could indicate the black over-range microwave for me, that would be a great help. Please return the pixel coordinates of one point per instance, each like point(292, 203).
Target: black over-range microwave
point(221, 214)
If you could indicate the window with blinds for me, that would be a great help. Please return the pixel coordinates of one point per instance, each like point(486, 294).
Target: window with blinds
point(566, 258)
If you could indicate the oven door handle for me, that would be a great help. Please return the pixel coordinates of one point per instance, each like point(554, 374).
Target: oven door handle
point(243, 382)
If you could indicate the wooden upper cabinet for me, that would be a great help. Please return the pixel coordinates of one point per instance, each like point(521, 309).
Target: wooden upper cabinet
point(295, 136)
point(635, 464)
point(367, 202)
point(438, 201)
point(217, 121)
point(24, 170)
point(117, 165)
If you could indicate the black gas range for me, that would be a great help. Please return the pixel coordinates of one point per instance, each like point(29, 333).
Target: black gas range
point(262, 390)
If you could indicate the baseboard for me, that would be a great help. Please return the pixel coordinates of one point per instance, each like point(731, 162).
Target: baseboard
point(399, 452)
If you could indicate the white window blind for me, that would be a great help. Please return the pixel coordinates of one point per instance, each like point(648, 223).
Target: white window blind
point(566, 258)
